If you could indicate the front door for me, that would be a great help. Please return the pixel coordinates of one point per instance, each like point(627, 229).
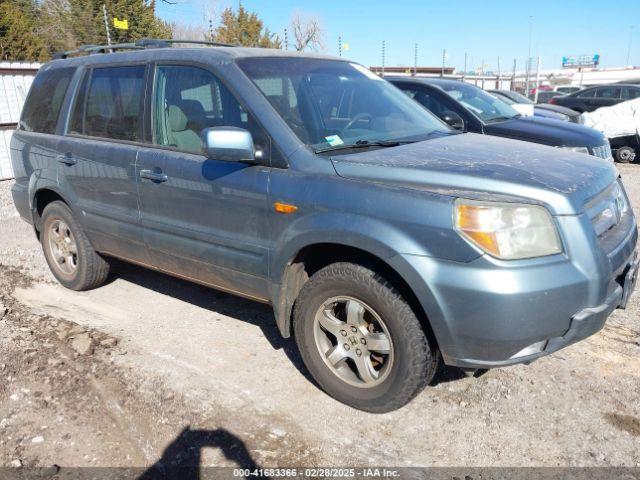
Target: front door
point(97, 158)
point(204, 219)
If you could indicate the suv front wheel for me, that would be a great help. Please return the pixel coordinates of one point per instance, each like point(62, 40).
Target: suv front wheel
point(71, 258)
point(361, 340)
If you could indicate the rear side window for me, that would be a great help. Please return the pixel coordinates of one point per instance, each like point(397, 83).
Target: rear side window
point(42, 108)
point(109, 103)
point(629, 93)
point(608, 92)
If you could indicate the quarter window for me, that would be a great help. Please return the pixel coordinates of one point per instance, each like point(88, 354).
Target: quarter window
point(190, 99)
point(111, 106)
point(42, 108)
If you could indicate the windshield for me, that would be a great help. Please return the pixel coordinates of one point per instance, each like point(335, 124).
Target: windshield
point(484, 105)
point(331, 104)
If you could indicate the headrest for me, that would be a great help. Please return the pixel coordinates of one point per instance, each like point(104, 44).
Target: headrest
point(177, 119)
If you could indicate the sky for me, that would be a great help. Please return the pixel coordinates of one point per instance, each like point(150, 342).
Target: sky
point(484, 30)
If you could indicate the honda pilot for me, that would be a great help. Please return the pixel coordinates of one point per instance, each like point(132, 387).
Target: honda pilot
point(387, 242)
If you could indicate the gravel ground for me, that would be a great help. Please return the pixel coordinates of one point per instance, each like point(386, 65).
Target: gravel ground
point(150, 369)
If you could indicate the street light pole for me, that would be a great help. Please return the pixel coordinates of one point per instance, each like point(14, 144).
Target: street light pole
point(528, 64)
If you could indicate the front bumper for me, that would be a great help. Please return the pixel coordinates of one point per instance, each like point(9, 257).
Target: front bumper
point(489, 313)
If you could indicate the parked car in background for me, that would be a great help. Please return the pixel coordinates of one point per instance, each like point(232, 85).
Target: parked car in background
point(471, 109)
point(553, 112)
point(545, 95)
point(525, 108)
point(386, 242)
point(592, 98)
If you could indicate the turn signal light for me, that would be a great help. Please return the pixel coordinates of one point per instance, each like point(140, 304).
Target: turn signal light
point(284, 207)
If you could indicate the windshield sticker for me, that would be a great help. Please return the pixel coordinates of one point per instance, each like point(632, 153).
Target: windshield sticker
point(334, 140)
point(365, 71)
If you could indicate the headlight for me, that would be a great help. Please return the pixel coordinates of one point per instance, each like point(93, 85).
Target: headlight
point(577, 149)
point(507, 231)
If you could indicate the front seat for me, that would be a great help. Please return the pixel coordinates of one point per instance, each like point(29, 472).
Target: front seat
point(180, 135)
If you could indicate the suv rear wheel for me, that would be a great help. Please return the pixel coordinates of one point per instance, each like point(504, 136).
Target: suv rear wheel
point(361, 340)
point(71, 258)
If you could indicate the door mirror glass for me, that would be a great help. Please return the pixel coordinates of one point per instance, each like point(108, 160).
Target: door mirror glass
point(453, 120)
point(230, 144)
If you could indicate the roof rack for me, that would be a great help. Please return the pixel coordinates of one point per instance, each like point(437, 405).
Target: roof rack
point(137, 45)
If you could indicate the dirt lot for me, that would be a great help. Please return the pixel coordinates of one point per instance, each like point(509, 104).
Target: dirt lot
point(178, 374)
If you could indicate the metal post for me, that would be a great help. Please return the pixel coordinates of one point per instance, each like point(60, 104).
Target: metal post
point(464, 73)
point(499, 85)
point(444, 56)
point(286, 39)
point(339, 45)
point(581, 70)
point(106, 23)
point(415, 60)
point(513, 75)
point(535, 97)
point(383, 45)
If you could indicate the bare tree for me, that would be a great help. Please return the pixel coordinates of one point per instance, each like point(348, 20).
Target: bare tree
point(308, 32)
point(183, 31)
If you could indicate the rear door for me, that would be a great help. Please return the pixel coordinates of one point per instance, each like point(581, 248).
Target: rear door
point(98, 154)
point(204, 219)
point(607, 96)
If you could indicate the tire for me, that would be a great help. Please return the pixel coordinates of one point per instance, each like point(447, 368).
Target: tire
point(71, 258)
point(356, 296)
point(625, 155)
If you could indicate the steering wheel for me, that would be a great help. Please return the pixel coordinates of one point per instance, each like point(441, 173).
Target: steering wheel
point(357, 118)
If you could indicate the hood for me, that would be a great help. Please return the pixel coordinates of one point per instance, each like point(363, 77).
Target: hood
point(481, 166)
point(547, 132)
point(557, 108)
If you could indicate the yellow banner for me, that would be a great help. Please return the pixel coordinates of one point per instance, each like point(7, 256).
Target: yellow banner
point(121, 24)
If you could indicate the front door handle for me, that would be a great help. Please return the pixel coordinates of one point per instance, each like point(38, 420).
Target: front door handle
point(154, 176)
point(67, 159)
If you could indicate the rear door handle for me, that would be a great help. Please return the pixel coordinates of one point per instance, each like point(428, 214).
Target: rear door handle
point(154, 176)
point(67, 159)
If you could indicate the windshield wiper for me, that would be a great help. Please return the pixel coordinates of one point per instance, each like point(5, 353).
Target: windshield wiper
point(365, 144)
point(500, 118)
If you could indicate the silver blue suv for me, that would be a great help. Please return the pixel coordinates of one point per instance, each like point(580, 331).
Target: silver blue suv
point(386, 242)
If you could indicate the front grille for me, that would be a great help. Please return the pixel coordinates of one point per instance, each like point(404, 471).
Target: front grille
point(610, 213)
point(602, 151)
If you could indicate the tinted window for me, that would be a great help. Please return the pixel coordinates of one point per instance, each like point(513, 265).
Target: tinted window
point(190, 99)
point(40, 112)
point(587, 94)
point(629, 93)
point(427, 100)
point(608, 92)
point(113, 104)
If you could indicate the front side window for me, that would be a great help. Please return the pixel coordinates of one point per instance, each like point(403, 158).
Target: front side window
point(42, 108)
point(482, 104)
point(109, 103)
point(189, 99)
point(329, 103)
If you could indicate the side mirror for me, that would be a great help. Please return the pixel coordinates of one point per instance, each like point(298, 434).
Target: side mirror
point(453, 120)
point(229, 144)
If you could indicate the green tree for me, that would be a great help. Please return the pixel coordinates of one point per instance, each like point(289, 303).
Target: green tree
point(18, 37)
point(244, 28)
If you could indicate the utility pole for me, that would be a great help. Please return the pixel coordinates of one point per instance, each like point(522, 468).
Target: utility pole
point(629, 46)
point(415, 59)
point(513, 76)
point(106, 23)
point(464, 72)
point(444, 56)
point(498, 85)
point(528, 65)
point(383, 46)
point(535, 97)
point(339, 45)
